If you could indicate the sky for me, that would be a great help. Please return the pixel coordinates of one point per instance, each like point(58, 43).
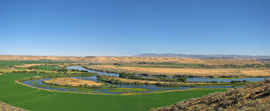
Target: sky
point(130, 27)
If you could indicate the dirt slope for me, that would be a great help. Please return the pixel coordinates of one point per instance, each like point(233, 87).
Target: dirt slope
point(252, 97)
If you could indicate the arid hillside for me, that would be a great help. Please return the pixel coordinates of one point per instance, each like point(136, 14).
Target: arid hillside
point(217, 61)
point(8, 107)
point(252, 97)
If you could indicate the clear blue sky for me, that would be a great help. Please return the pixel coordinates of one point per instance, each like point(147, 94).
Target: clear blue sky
point(130, 27)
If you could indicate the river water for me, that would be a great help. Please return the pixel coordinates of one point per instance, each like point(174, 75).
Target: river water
point(122, 88)
point(189, 78)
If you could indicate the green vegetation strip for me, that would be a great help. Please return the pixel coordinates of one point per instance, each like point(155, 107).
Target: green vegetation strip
point(28, 62)
point(186, 64)
point(40, 100)
point(44, 67)
point(150, 66)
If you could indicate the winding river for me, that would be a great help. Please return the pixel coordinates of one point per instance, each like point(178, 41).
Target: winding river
point(118, 89)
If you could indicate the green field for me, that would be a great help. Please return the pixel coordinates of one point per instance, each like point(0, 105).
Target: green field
point(41, 100)
point(183, 64)
point(150, 66)
point(28, 62)
point(44, 67)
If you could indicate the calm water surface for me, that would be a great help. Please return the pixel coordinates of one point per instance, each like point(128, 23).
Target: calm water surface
point(119, 89)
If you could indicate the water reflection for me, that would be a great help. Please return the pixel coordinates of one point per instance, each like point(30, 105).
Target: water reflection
point(123, 87)
point(189, 78)
point(120, 88)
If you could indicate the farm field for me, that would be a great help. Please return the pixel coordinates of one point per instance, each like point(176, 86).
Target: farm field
point(44, 67)
point(41, 100)
point(22, 62)
point(182, 71)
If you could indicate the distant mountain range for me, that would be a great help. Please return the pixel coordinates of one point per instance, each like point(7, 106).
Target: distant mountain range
point(197, 56)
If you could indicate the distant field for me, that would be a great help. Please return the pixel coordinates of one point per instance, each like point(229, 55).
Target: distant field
point(185, 64)
point(40, 100)
point(3, 67)
point(44, 67)
point(26, 62)
point(181, 71)
point(19, 62)
point(150, 66)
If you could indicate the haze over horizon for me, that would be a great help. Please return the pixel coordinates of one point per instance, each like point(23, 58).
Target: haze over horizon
point(128, 28)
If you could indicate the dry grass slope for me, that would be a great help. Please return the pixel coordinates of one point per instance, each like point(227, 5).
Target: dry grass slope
point(252, 97)
point(8, 107)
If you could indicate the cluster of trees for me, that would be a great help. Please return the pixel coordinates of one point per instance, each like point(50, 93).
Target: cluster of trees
point(104, 78)
point(236, 81)
point(12, 66)
point(246, 65)
point(75, 70)
point(95, 63)
point(251, 97)
point(116, 64)
point(79, 70)
point(28, 72)
point(31, 67)
point(130, 76)
point(60, 69)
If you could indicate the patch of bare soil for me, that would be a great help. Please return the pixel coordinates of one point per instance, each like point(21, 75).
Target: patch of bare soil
point(26, 65)
point(72, 82)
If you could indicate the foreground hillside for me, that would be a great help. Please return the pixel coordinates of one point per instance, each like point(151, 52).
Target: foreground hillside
point(252, 97)
point(8, 107)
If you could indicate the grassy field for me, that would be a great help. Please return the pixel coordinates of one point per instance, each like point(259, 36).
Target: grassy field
point(41, 100)
point(184, 64)
point(27, 62)
point(149, 66)
point(44, 67)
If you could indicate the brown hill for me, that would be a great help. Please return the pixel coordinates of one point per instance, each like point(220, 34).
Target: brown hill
point(8, 107)
point(252, 97)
